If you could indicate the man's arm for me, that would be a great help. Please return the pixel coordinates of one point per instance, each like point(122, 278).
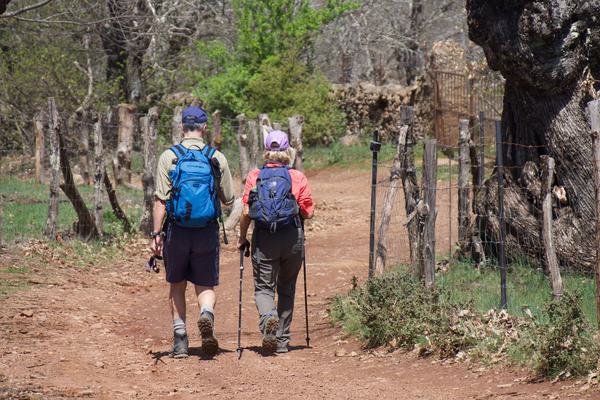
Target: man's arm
point(158, 215)
point(226, 192)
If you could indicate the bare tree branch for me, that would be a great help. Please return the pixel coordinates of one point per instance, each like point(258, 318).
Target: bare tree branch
point(22, 10)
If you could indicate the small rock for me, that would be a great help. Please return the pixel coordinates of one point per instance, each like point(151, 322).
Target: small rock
point(353, 354)
point(27, 313)
point(506, 385)
point(340, 353)
point(148, 340)
point(99, 364)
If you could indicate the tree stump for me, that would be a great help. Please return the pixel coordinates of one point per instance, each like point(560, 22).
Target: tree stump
point(546, 88)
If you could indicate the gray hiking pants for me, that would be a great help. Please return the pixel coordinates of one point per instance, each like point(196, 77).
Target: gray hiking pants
point(276, 260)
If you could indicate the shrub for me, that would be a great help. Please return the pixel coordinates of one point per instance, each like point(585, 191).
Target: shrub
point(566, 345)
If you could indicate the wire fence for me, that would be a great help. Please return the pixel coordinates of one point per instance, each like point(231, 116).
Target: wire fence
point(480, 210)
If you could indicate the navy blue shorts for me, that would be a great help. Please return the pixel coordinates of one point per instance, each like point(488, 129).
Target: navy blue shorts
point(192, 254)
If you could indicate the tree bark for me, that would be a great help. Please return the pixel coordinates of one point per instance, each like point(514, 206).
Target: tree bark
point(544, 49)
point(53, 127)
point(85, 227)
point(98, 177)
point(594, 113)
point(114, 203)
point(243, 144)
point(254, 147)
point(296, 123)
point(122, 160)
point(149, 134)
point(40, 149)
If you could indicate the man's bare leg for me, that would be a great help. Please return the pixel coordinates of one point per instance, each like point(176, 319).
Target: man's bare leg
point(206, 301)
point(177, 302)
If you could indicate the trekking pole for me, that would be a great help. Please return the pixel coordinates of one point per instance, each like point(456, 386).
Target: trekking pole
point(305, 290)
point(244, 251)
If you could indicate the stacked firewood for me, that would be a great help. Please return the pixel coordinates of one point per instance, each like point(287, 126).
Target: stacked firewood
point(372, 107)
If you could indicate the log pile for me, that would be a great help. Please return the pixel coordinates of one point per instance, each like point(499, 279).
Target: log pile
point(368, 106)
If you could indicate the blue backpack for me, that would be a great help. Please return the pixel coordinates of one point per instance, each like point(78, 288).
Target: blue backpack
point(273, 207)
point(194, 202)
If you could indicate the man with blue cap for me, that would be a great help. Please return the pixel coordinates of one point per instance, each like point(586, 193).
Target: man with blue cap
point(189, 177)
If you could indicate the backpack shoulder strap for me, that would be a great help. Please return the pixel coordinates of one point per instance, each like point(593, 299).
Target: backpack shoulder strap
point(179, 150)
point(209, 151)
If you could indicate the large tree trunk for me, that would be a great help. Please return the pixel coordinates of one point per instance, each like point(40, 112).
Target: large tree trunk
point(544, 49)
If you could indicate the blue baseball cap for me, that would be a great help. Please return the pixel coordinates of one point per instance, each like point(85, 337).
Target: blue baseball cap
point(194, 115)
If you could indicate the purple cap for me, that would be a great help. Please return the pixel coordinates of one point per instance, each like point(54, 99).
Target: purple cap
point(276, 141)
point(194, 115)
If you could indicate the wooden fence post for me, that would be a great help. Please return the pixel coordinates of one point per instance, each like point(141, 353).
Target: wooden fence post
point(410, 187)
point(429, 194)
point(464, 185)
point(122, 160)
point(217, 135)
point(1, 223)
point(388, 204)
point(594, 113)
point(295, 124)
point(501, 217)
point(40, 149)
point(84, 148)
point(98, 176)
point(176, 128)
point(149, 135)
point(265, 127)
point(53, 127)
point(547, 165)
point(254, 146)
point(242, 140)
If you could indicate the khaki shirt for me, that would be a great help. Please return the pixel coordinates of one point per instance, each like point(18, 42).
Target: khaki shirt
point(165, 165)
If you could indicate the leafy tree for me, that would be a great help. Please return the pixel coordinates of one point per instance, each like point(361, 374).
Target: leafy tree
point(269, 69)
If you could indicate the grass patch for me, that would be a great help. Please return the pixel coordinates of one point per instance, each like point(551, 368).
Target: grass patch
point(25, 208)
point(457, 319)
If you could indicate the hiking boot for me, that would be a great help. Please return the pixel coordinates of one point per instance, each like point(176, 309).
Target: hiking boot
point(180, 346)
point(281, 348)
point(210, 345)
point(269, 342)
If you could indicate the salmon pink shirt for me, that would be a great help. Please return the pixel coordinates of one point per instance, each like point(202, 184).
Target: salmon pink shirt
point(300, 189)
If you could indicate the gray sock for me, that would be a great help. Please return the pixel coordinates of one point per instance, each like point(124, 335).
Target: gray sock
point(179, 327)
point(207, 309)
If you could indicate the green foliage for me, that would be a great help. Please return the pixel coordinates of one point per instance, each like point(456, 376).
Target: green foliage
point(267, 70)
point(25, 209)
point(286, 88)
point(398, 311)
point(269, 27)
point(566, 345)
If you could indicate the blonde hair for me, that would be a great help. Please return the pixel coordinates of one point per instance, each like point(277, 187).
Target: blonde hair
point(283, 157)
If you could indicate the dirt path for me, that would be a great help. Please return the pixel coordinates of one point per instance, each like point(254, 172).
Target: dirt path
point(105, 332)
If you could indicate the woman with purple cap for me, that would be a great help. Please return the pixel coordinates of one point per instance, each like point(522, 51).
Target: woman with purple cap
point(277, 199)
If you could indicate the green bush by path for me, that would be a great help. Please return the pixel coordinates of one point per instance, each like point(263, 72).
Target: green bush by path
point(554, 338)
